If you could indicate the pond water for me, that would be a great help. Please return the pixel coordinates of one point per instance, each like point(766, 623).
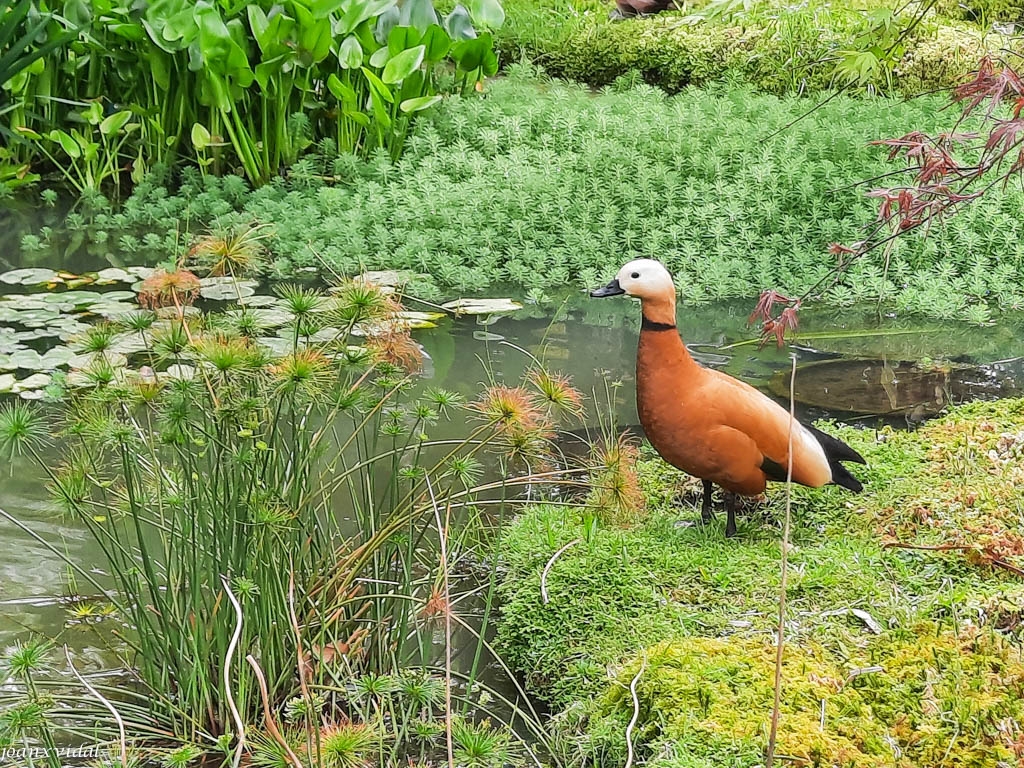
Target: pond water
point(855, 366)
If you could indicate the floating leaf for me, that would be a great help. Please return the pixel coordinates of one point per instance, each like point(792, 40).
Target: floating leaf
point(7, 381)
point(481, 306)
point(226, 288)
point(89, 359)
point(113, 275)
point(31, 276)
point(185, 372)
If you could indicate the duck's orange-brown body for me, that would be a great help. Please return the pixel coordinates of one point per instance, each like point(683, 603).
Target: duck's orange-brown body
point(709, 424)
point(713, 426)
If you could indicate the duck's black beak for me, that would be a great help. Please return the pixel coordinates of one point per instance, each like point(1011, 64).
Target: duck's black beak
point(612, 289)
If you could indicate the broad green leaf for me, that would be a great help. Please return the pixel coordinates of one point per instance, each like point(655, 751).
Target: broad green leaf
point(359, 11)
point(159, 67)
point(459, 24)
point(380, 111)
point(350, 53)
point(487, 13)
point(380, 57)
point(378, 86)
point(67, 143)
point(401, 38)
point(28, 132)
point(358, 117)
point(404, 64)
point(314, 36)
point(112, 124)
point(437, 43)
point(342, 92)
point(321, 9)
point(200, 136)
point(93, 114)
point(221, 53)
point(419, 104)
point(259, 24)
point(418, 13)
point(385, 23)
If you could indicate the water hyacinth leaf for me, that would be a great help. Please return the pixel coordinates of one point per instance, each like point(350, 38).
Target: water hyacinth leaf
point(358, 11)
point(380, 57)
point(487, 13)
point(342, 92)
point(418, 13)
point(350, 54)
point(67, 143)
point(385, 22)
point(437, 42)
point(401, 38)
point(460, 24)
point(112, 124)
point(377, 86)
point(201, 137)
point(420, 103)
point(226, 288)
point(30, 276)
point(404, 64)
point(481, 306)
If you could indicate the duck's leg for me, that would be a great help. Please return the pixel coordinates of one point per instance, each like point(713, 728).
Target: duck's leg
point(706, 514)
point(730, 509)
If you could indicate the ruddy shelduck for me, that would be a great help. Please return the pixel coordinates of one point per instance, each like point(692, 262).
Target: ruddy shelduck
point(708, 423)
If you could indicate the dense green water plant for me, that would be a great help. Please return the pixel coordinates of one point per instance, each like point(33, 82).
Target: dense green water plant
point(573, 188)
point(250, 85)
point(283, 498)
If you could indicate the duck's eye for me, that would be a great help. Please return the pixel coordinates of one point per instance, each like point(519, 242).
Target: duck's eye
point(635, 275)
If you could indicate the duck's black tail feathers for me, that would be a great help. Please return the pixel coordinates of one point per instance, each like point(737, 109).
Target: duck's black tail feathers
point(837, 451)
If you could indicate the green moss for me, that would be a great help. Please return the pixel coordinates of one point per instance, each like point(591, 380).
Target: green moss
point(929, 697)
point(777, 50)
point(704, 608)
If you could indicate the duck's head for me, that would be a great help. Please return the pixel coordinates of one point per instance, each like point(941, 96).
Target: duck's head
point(645, 279)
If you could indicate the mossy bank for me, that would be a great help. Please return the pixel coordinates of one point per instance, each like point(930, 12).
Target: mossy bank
point(903, 626)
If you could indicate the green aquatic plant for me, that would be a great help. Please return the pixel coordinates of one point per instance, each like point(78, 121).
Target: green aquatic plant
point(213, 480)
point(227, 85)
point(727, 200)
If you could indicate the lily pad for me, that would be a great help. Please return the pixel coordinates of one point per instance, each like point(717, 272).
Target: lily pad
point(259, 300)
point(226, 288)
point(171, 313)
point(264, 317)
point(30, 276)
point(7, 382)
point(185, 372)
point(33, 383)
point(111, 309)
point(481, 306)
point(277, 346)
point(114, 275)
point(89, 359)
